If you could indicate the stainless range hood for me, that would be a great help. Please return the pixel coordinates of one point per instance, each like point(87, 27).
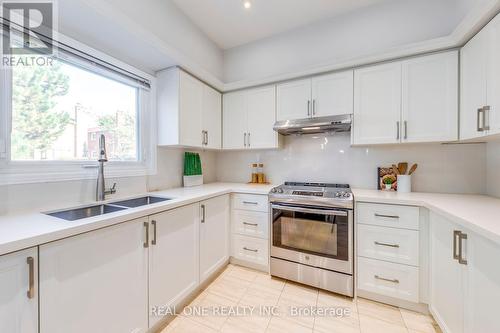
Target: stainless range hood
point(330, 124)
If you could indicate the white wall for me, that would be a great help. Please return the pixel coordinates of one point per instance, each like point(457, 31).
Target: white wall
point(362, 33)
point(493, 168)
point(442, 168)
point(56, 195)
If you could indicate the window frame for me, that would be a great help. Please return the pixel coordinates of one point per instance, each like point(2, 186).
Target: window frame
point(26, 172)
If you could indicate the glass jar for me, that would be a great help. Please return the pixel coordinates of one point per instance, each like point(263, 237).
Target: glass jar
point(260, 174)
point(255, 173)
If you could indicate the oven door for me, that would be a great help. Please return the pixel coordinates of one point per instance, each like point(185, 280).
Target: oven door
point(314, 236)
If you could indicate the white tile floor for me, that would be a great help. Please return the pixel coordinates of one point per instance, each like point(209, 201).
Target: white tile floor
point(242, 288)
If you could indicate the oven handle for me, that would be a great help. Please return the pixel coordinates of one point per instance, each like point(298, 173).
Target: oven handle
point(310, 210)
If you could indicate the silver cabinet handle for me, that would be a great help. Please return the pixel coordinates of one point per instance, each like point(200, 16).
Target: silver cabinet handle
point(406, 130)
point(251, 250)
point(398, 135)
point(314, 107)
point(479, 127)
point(245, 139)
point(308, 108)
point(461, 238)
point(31, 268)
point(146, 230)
point(456, 235)
point(202, 213)
point(388, 245)
point(387, 216)
point(333, 212)
point(388, 280)
point(248, 139)
point(251, 224)
point(250, 203)
point(203, 138)
point(153, 223)
point(486, 118)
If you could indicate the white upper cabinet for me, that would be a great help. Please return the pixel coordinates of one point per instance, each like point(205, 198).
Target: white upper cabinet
point(377, 104)
point(294, 100)
point(212, 118)
point(430, 98)
point(234, 120)
point(332, 94)
point(410, 101)
point(321, 96)
point(480, 83)
point(261, 115)
point(249, 117)
point(19, 292)
point(189, 111)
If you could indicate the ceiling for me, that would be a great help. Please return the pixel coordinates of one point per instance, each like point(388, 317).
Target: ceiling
point(229, 24)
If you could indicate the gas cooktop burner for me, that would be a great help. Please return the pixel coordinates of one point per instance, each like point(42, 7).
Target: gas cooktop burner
point(320, 194)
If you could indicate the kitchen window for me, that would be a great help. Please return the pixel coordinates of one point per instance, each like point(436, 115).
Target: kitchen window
point(52, 116)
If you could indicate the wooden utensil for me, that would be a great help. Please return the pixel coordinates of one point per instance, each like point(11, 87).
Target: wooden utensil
point(413, 168)
point(402, 167)
point(395, 169)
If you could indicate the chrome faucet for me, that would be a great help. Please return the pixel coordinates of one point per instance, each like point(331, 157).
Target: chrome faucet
point(101, 185)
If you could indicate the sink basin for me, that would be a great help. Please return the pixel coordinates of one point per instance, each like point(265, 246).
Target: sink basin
point(85, 212)
point(138, 202)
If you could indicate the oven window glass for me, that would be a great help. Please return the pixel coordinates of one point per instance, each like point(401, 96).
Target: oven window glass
point(319, 234)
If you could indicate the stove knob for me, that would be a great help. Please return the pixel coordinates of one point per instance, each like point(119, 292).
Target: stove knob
point(346, 195)
point(273, 190)
point(280, 190)
point(337, 194)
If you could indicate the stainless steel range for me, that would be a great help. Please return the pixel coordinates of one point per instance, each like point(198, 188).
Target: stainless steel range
point(312, 235)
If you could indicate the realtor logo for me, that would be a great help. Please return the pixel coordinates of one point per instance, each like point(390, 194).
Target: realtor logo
point(28, 27)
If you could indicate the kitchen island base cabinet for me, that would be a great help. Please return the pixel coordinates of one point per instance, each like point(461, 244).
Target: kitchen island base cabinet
point(174, 258)
point(96, 282)
point(18, 292)
point(214, 235)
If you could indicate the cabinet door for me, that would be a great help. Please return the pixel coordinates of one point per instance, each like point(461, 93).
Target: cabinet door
point(377, 104)
point(96, 281)
point(214, 235)
point(446, 286)
point(294, 100)
point(190, 109)
point(333, 94)
point(212, 117)
point(174, 260)
point(234, 121)
point(493, 73)
point(473, 74)
point(430, 98)
point(18, 310)
point(261, 110)
point(482, 287)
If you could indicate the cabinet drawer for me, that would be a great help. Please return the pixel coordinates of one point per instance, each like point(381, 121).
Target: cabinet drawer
point(385, 278)
point(254, 202)
point(389, 244)
point(394, 216)
point(251, 249)
point(249, 223)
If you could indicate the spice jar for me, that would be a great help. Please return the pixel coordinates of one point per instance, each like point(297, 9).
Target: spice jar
point(260, 174)
point(255, 175)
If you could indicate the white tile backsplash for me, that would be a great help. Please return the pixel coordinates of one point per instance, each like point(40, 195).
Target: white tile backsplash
point(323, 158)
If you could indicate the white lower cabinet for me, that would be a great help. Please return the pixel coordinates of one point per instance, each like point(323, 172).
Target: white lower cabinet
point(96, 282)
point(19, 292)
point(174, 258)
point(214, 235)
point(465, 279)
point(250, 230)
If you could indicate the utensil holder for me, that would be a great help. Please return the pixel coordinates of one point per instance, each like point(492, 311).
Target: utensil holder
point(404, 183)
point(190, 181)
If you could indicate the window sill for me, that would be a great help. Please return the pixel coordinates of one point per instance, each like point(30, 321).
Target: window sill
point(17, 175)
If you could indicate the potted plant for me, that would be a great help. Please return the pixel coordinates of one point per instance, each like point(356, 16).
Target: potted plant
point(388, 181)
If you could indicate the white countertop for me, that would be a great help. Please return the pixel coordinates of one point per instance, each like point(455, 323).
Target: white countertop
point(478, 213)
point(26, 230)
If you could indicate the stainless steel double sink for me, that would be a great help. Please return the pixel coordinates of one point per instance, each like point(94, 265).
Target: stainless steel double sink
point(97, 210)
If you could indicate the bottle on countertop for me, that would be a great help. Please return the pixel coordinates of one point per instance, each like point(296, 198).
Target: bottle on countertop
point(255, 173)
point(260, 174)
